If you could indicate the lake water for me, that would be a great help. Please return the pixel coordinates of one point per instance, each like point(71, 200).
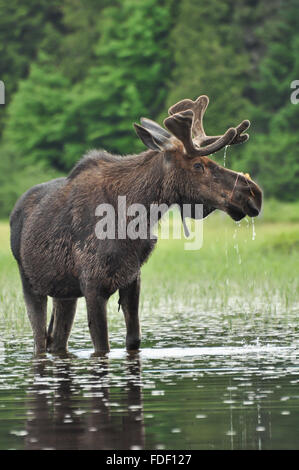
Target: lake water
point(203, 380)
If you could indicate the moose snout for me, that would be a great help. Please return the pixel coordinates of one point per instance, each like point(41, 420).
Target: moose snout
point(252, 209)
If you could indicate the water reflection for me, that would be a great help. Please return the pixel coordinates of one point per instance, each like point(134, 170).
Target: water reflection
point(210, 403)
point(60, 416)
point(203, 380)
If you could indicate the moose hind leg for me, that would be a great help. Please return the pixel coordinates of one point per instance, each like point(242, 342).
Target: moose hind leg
point(61, 324)
point(129, 301)
point(37, 313)
point(96, 302)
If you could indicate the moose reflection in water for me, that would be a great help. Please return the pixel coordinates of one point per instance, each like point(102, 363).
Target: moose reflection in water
point(73, 406)
point(62, 416)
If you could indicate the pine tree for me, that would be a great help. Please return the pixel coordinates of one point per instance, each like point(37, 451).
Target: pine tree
point(128, 80)
point(55, 120)
point(36, 123)
point(210, 58)
point(272, 156)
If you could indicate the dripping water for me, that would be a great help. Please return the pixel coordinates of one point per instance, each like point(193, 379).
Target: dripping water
point(236, 245)
point(253, 229)
point(224, 155)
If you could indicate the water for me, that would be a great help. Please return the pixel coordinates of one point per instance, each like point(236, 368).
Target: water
point(253, 229)
point(236, 245)
point(224, 155)
point(203, 380)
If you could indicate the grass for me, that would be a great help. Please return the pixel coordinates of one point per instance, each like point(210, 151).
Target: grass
point(233, 270)
point(11, 301)
point(283, 211)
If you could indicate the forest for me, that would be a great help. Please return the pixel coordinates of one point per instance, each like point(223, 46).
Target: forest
point(79, 73)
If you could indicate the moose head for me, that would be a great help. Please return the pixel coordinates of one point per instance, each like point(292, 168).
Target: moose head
point(191, 174)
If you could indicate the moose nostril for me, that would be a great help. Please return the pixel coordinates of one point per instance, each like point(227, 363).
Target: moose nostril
point(252, 207)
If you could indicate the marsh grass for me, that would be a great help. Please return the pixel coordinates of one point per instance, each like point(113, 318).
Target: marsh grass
point(232, 275)
point(230, 264)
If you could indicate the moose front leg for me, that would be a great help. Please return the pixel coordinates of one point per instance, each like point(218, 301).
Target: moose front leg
point(129, 301)
point(96, 303)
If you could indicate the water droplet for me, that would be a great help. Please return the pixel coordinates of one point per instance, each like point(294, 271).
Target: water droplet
point(260, 428)
point(253, 229)
point(158, 392)
point(19, 433)
point(224, 155)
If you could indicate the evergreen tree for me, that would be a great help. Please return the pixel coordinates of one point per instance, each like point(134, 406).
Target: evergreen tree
point(128, 79)
point(210, 58)
point(23, 27)
point(272, 156)
point(36, 128)
point(54, 120)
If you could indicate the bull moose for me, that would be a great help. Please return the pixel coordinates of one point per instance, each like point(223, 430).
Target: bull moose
point(53, 224)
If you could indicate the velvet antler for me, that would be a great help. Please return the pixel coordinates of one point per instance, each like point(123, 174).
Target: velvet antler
point(199, 107)
point(181, 125)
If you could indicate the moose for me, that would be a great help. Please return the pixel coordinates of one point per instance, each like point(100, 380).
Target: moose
point(53, 224)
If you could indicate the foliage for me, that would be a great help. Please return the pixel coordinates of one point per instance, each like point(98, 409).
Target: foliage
point(78, 73)
point(285, 212)
point(52, 122)
point(36, 126)
point(127, 80)
point(23, 27)
point(272, 155)
point(16, 178)
point(210, 58)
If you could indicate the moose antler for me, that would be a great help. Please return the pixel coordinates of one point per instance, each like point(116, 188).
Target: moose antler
point(199, 107)
point(185, 121)
point(181, 124)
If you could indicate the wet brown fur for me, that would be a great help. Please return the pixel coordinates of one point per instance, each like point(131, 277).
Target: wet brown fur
point(53, 235)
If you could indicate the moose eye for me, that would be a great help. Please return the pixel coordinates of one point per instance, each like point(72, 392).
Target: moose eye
point(198, 166)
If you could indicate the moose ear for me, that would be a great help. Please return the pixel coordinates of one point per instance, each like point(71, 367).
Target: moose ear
point(154, 136)
point(146, 137)
point(154, 128)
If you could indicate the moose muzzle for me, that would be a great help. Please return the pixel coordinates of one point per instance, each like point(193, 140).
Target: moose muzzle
point(252, 209)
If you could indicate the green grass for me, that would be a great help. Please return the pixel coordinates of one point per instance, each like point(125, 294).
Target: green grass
point(283, 212)
point(229, 265)
point(12, 312)
point(231, 269)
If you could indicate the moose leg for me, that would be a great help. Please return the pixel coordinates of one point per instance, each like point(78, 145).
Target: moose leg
point(96, 303)
point(61, 324)
point(129, 301)
point(37, 313)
